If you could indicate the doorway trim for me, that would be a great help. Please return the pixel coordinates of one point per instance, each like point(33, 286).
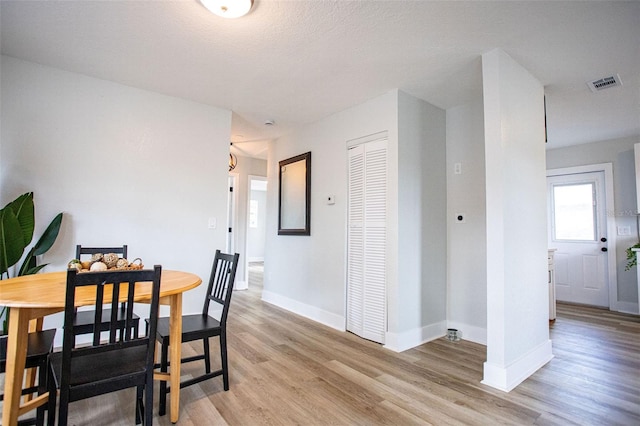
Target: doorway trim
point(607, 169)
point(231, 238)
point(250, 178)
point(231, 212)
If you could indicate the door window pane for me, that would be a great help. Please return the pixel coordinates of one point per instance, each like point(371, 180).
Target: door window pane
point(573, 210)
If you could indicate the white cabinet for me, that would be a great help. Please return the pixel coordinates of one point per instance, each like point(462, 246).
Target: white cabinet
point(552, 285)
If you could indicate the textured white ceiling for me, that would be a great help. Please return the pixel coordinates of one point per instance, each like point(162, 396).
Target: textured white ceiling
point(298, 61)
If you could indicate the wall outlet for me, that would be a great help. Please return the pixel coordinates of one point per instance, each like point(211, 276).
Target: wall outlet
point(457, 169)
point(212, 223)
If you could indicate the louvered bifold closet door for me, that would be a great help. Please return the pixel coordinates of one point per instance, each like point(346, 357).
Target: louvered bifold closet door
point(355, 241)
point(367, 237)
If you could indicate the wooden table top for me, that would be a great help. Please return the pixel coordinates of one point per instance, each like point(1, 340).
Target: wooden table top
point(47, 290)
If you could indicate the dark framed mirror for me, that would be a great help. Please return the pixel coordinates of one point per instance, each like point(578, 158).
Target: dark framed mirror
point(294, 197)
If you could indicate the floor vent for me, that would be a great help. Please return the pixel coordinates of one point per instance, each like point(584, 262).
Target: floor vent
point(604, 83)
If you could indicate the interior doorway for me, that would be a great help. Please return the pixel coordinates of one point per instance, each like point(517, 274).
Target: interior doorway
point(580, 229)
point(256, 222)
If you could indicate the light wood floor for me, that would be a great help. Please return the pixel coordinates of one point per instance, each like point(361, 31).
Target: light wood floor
point(286, 370)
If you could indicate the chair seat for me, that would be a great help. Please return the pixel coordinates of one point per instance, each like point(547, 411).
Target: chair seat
point(129, 362)
point(39, 345)
point(83, 321)
point(194, 327)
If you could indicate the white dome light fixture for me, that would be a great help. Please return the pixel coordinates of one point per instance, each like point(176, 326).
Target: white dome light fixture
point(228, 8)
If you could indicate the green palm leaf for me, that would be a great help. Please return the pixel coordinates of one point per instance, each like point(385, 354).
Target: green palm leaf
point(11, 240)
point(42, 246)
point(25, 212)
point(49, 236)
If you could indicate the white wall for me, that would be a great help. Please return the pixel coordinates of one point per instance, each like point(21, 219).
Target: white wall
point(620, 153)
point(420, 314)
point(306, 274)
point(517, 295)
point(467, 242)
point(124, 165)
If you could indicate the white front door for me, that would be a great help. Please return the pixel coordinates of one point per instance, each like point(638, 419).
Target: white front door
point(578, 230)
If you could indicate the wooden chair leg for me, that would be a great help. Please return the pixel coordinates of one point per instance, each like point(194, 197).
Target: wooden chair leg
point(63, 408)
point(139, 405)
point(162, 406)
point(223, 356)
point(53, 392)
point(207, 357)
point(148, 395)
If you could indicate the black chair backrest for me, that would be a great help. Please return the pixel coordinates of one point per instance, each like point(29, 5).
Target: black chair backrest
point(223, 275)
point(110, 288)
point(93, 250)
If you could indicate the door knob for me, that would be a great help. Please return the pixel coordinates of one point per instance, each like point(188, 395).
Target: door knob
point(604, 249)
point(603, 239)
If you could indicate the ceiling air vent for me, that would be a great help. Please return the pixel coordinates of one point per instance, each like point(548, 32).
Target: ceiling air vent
point(604, 83)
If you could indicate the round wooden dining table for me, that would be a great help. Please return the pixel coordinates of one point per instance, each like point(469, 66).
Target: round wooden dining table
point(31, 297)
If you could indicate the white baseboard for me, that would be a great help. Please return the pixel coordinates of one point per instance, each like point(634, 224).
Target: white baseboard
point(506, 378)
point(627, 307)
point(399, 342)
point(241, 285)
point(313, 313)
point(469, 332)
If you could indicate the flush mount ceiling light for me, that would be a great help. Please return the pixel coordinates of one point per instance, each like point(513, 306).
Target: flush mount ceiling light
point(228, 8)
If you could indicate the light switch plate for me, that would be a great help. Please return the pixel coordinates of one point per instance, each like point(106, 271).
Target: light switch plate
point(212, 223)
point(624, 230)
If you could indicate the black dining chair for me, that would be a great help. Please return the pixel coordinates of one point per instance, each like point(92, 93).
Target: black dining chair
point(202, 327)
point(107, 366)
point(84, 320)
point(39, 346)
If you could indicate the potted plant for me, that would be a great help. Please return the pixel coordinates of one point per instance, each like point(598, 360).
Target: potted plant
point(632, 259)
point(17, 224)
